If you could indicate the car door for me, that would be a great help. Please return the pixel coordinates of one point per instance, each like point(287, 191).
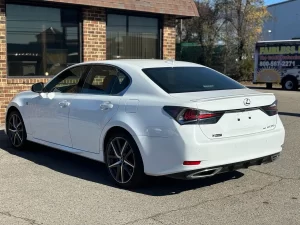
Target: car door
point(98, 102)
point(51, 112)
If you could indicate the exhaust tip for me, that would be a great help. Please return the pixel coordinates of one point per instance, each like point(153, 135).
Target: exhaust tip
point(275, 157)
point(205, 173)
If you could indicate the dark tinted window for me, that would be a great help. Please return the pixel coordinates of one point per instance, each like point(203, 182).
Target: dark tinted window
point(68, 81)
point(190, 79)
point(41, 41)
point(132, 37)
point(105, 80)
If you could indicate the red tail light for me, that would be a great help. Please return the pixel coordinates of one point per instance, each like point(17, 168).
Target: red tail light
point(270, 110)
point(192, 116)
point(191, 163)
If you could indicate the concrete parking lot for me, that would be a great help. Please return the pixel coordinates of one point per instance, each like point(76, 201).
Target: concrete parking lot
point(44, 186)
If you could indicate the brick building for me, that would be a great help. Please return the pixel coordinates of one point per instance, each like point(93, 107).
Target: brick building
point(41, 37)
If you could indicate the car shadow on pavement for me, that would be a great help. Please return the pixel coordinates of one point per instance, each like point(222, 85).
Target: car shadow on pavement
point(289, 114)
point(93, 171)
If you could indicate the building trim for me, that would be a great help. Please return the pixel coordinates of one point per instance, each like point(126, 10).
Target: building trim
point(180, 8)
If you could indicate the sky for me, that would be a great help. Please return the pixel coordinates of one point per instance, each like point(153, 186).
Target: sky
point(269, 2)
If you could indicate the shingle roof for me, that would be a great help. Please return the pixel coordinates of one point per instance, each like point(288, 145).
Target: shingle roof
point(180, 8)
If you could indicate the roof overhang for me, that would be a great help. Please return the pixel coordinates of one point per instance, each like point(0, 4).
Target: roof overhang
point(178, 8)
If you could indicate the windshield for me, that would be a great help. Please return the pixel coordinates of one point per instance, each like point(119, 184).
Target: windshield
point(190, 79)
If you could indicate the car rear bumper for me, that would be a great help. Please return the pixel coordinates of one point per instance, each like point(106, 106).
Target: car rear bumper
point(165, 156)
point(209, 172)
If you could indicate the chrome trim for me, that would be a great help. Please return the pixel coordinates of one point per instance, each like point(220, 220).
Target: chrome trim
point(198, 174)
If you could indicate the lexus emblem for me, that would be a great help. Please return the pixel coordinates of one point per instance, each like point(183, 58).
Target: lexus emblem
point(247, 102)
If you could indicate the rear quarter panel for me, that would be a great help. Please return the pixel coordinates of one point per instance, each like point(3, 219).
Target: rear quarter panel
point(149, 119)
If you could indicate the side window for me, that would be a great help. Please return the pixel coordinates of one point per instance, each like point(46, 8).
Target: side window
point(121, 84)
point(67, 82)
point(104, 80)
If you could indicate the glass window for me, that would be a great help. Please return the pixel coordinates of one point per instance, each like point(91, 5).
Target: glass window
point(68, 81)
point(121, 83)
point(105, 80)
point(41, 41)
point(132, 37)
point(190, 79)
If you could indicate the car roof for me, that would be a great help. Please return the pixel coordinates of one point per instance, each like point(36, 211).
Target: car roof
point(144, 63)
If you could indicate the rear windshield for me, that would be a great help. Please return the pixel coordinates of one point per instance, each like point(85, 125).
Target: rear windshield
point(190, 79)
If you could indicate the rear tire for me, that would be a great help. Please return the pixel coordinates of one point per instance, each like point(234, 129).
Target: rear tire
point(269, 85)
point(290, 84)
point(124, 161)
point(15, 129)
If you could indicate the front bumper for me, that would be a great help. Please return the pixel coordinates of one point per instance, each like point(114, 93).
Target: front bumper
point(209, 172)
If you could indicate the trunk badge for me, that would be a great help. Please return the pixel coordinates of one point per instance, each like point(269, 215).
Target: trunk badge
point(247, 101)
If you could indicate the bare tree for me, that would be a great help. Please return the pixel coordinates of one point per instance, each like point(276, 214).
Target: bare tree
point(245, 18)
point(236, 24)
point(204, 29)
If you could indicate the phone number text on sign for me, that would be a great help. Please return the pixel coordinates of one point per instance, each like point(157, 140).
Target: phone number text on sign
point(277, 63)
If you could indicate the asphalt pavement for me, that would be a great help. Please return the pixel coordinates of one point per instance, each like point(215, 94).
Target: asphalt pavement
point(41, 185)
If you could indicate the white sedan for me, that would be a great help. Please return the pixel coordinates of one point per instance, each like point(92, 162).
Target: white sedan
point(149, 117)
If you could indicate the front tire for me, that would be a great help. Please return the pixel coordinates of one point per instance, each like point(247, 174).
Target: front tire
point(16, 131)
point(124, 161)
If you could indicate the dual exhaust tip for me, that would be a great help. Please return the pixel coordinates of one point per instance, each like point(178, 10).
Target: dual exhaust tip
point(209, 172)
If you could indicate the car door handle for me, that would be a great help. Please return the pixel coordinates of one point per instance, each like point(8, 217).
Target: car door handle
point(64, 104)
point(106, 106)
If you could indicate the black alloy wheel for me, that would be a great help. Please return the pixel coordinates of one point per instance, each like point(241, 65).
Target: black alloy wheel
point(124, 161)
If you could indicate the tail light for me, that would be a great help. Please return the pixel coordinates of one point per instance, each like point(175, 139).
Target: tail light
point(191, 163)
point(270, 110)
point(192, 116)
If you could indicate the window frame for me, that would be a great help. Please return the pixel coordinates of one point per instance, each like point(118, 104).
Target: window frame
point(144, 70)
point(80, 82)
point(48, 5)
point(108, 65)
point(128, 13)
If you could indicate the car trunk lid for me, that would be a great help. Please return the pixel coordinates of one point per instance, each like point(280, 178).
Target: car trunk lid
point(241, 109)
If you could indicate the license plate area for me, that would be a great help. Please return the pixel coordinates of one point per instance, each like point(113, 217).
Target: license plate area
point(237, 123)
point(242, 120)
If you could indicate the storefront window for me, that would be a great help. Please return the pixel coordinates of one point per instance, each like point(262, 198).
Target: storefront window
point(41, 41)
point(132, 37)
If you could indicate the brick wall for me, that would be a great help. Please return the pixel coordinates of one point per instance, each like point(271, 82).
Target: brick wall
point(2, 60)
point(94, 34)
point(169, 37)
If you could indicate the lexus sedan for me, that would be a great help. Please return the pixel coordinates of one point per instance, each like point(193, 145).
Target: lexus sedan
point(149, 117)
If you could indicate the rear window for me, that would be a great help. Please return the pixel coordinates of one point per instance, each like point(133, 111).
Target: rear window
point(190, 79)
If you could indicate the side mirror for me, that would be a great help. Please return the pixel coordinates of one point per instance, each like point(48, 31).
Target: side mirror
point(38, 87)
